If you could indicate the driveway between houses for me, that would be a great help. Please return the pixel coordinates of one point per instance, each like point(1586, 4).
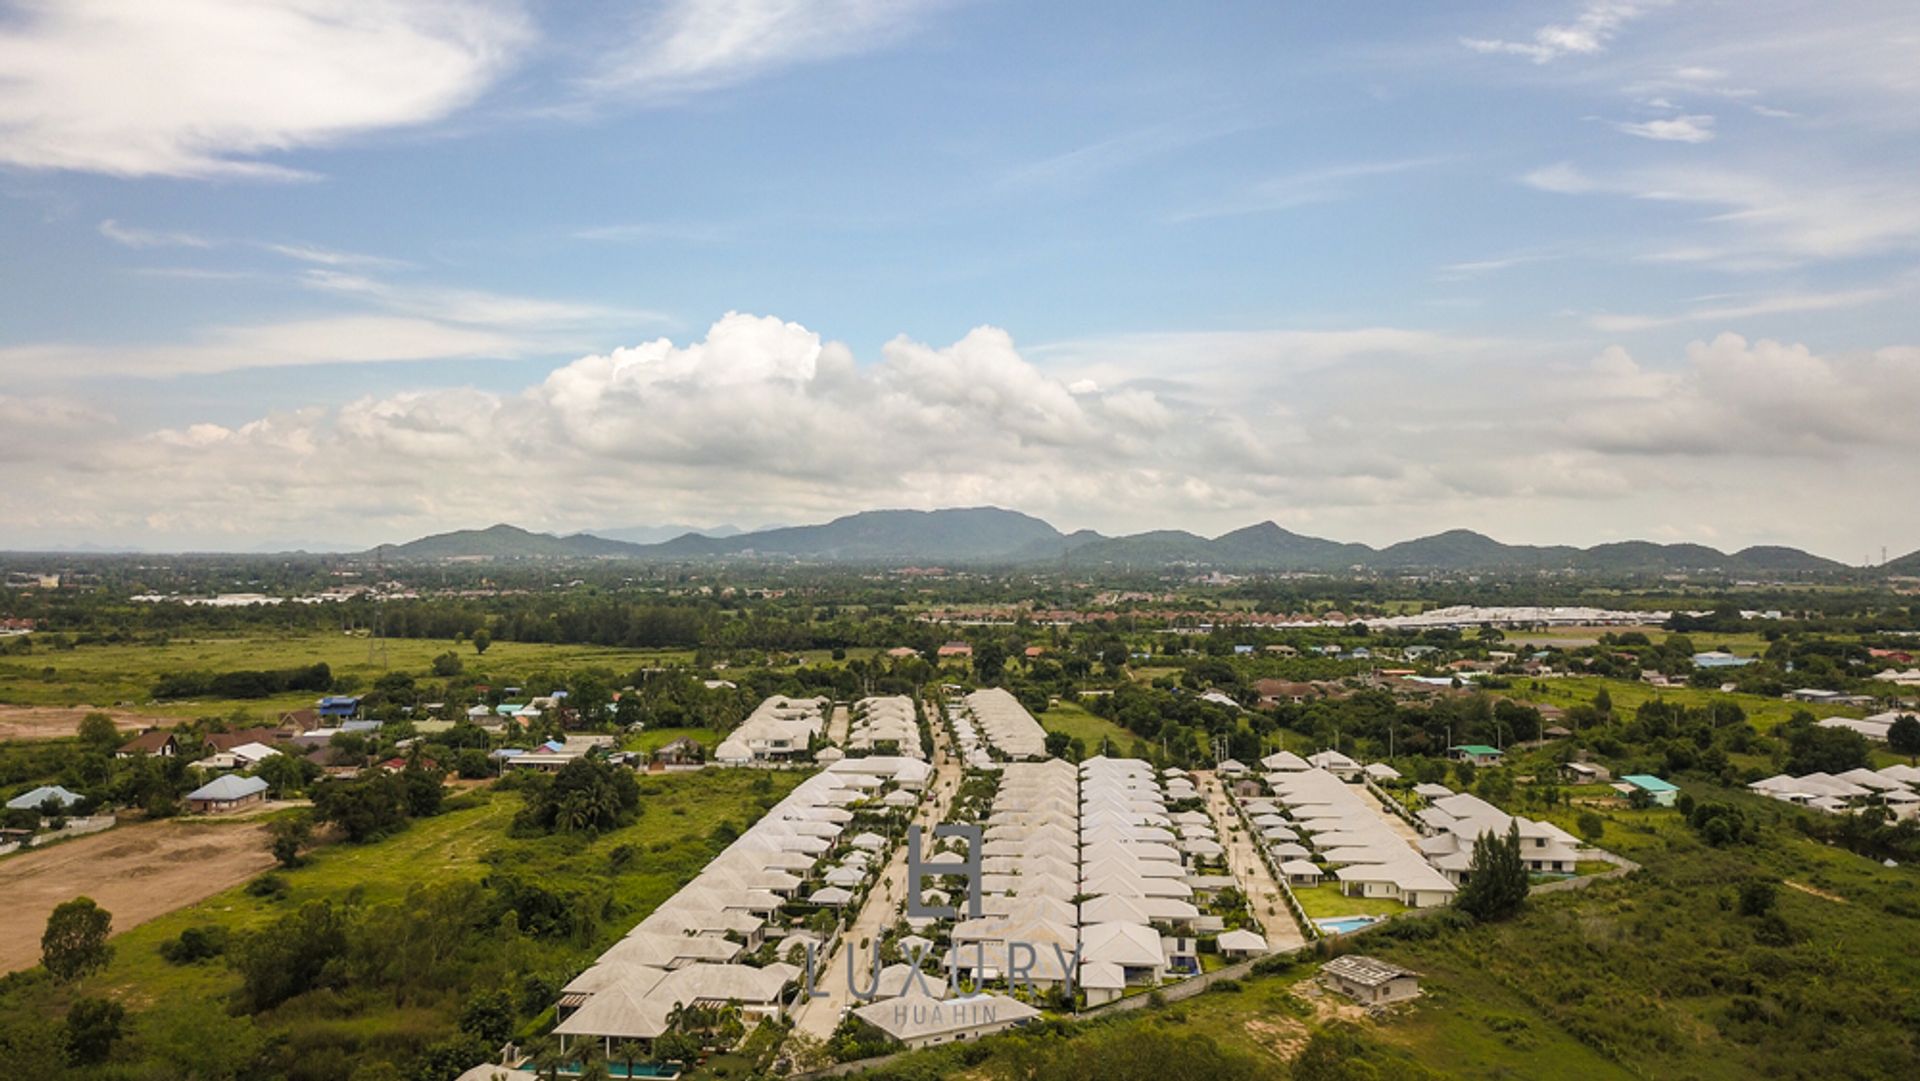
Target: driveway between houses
point(821, 1015)
point(1269, 907)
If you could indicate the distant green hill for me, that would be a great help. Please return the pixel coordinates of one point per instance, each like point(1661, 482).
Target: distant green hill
point(969, 534)
point(992, 535)
point(506, 542)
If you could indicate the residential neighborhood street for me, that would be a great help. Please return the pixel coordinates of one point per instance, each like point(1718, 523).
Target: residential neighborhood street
point(1269, 907)
point(821, 1014)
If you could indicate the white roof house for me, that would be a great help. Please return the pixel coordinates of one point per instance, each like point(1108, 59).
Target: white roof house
point(250, 754)
point(37, 798)
point(1129, 945)
point(228, 788)
point(923, 1021)
point(1242, 943)
point(1334, 762)
point(1284, 762)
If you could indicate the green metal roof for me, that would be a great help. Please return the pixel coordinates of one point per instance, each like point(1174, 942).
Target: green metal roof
point(1650, 783)
point(1476, 749)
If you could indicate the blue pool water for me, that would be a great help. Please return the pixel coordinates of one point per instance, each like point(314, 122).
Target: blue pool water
point(1346, 924)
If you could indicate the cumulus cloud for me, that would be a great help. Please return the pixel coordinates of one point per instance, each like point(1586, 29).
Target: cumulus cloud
point(145, 89)
point(1754, 400)
point(1375, 434)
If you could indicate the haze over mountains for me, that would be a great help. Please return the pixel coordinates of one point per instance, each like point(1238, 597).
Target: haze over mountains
point(991, 535)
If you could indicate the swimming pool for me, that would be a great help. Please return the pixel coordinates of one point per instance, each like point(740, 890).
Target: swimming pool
point(1346, 924)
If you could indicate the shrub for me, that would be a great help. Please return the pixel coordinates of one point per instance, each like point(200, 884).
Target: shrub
point(269, 886)
point(195, 944)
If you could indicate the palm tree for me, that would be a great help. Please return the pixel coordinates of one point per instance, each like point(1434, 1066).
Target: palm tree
point(593, 1062)
point(547, 1056)
point(629, 1052)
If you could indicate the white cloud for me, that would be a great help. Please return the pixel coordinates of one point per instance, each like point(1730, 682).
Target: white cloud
point(1587, 34)
point(1778, 304)
point(1120, 151)
point(1750, 400)
point(1789, 214)
point(1689, 128)
point(134, 237)
point(338, 340)
point(472, 306)
point(688, 46)
point(330, 257)
point(1475, 267)
point(1300, 189)
point(201, 88)
point(1562, 178)
point(1370, 434)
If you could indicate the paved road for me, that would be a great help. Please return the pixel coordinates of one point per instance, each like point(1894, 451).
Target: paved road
point(1269, 907)
point(821, 1014)
point(837, 727)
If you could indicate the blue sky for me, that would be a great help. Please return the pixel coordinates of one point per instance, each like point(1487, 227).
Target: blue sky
point(1560, 271)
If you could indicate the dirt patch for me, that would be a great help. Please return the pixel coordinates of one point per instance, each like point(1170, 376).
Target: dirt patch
point(1328, 1006)
point(137, 872)
point(1814, 891)
point(54, 722)
point(1285, 1038)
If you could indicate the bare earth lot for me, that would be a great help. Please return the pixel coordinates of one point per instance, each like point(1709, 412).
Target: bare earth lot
point(54, 722)
point(136, 872)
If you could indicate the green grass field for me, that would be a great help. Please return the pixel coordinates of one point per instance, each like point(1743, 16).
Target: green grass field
point(1077, 722)
point(1325, 901)
point(1762, 713)
point(654, 738)
point(672, 836)
point(109, 675)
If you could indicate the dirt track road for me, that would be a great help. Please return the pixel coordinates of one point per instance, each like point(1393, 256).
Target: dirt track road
point(137, 872)
point(53, 722)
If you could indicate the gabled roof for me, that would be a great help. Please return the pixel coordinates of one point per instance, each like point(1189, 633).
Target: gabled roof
point(1242, 940)
point(1129, 944)
point(149, 741)
point(918, 1017)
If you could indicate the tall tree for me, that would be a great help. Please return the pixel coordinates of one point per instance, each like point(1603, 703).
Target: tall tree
point(1497, 878)
point(1903, 736)
point(75, 942)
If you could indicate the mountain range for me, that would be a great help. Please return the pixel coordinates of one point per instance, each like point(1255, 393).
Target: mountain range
point(994, 536)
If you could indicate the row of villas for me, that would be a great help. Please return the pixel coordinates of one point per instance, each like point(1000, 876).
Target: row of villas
point(734, 936)
point(1317, 825)
point(1894, 788)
